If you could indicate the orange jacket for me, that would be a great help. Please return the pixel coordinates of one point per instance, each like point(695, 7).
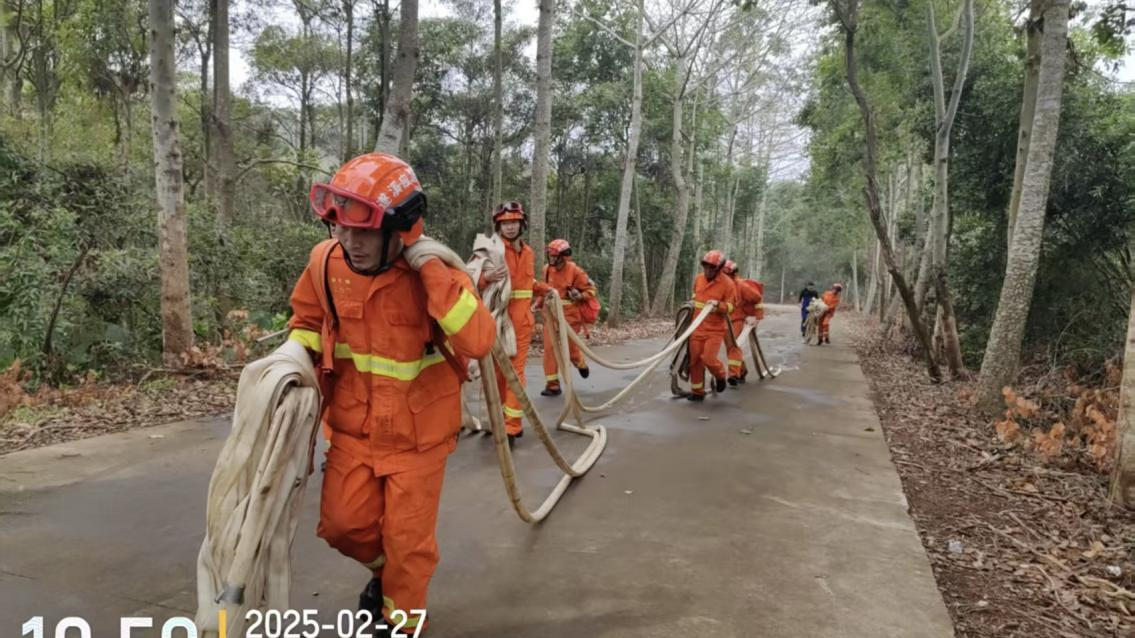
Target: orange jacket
point(394, 396)
point(722, 290)
point(522, 275)
point(747, 301)
point(562, 279)
point(831, 300)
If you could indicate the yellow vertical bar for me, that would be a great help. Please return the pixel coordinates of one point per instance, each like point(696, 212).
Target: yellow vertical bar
point(223, 623)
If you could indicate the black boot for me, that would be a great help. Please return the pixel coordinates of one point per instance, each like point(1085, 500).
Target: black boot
point(695, 397)
point(550, 391)
point(512, 439)
point(585, 372)
point(371, 600)
point(733, 381)
point(719, 385)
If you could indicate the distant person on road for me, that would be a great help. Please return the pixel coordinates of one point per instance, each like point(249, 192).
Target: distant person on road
point(806, 296)
point(831, 300)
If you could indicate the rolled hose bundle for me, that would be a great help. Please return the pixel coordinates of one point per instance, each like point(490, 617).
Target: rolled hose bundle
point(256, 491)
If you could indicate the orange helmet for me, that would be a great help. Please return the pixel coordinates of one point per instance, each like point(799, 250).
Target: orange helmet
point(713, 259)
point(510, 211)
point(558, 247)
point(375, 190)
point(730, 267)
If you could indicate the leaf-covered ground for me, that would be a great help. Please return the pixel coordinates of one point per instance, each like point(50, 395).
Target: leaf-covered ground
point(1021, 537)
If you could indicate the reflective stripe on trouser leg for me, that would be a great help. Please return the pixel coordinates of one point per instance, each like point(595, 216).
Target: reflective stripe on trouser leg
point(350, 509)
point(513, 414)
point(409, 537)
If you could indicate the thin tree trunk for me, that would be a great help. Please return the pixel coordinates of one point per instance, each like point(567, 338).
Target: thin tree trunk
point(782, 284)
point(630, 166)
point(222, 119)
point(756, 269)
point(542, 133)
point(641, 248)
point(699, 215)
point(349, 15)
point(849, 17)
point(1003, 352)
point(855, 277)
point(673, 251)
point(944, 116)
point(1028, 109)
point(396, 119)
point(498, 104)
point(173, 257)
point(1123, 476)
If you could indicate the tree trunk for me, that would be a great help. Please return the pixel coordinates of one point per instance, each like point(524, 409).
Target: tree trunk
point(498, 104)
point(173, 257)
point(9, 51)
point(677, 233)
point(1123, 476)
point(782, 284)
point(396, 119)
point(849, 18)
point(222, 119)
point(641, 248)
point(940, 217)
point(757, 262)
point(349, 15)
point(855, 277)
point(1003, 352)
point(630, 167)
point(542, 133)
point(205, 49)
point(1028, 109)
point(699, 215)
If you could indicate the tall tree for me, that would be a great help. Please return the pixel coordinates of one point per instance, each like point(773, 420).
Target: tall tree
point(394, 134)
point(348, 78)
point(498, 104)
point(542, 132)
point(173, 251)
point(223, 161)
point(941, 215)
point(847, 13)
point(1028, 109)
point(1003, 351)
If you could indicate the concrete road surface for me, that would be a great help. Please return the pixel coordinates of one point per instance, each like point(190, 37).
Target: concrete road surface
point(779, 515)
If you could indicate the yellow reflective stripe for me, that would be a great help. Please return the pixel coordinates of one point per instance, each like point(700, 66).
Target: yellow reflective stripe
point(699, 304)
point(376, 563)
point(307, 338)
point(552, 377)
point(697, 386)
point(521, 294)
point(459, 314)
point(735, 362)
point(516, 414)
point(412, 619)
point(729, 306)
point(384, 367)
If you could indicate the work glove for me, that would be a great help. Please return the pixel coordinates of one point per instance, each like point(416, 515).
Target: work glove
point(751, 321)
point(574, 294)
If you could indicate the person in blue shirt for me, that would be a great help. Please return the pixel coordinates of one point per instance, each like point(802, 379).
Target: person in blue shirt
point(806, 296)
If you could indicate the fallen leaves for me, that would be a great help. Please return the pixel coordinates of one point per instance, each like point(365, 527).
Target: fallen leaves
point(1043, 553)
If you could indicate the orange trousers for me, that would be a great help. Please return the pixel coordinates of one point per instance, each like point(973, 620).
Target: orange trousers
point(551, 372)
point(513, 415)
point(826, 323)
point(387, 523)
point(736, 357)
point(704, 348)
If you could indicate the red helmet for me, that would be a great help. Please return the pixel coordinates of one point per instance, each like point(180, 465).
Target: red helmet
point(375, 190)
point(558, 247)
point(510, 211)
point(730, 267)
point(713, 259)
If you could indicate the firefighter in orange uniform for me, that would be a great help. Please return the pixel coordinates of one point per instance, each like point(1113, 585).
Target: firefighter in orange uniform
point(831, 300)
point(568, 280)
point(746, 303)
point(705, 343)
point(510, 221)
point(388, 337)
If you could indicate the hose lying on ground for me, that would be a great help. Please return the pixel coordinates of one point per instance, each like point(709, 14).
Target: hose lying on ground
point(256, 492)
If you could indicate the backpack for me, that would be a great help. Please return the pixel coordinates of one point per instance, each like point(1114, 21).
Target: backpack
point(589, 310)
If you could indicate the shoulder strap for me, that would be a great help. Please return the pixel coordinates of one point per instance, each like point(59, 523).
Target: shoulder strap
point(319, 263)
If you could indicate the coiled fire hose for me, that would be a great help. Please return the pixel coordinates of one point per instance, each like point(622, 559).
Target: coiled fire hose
point(680, 364)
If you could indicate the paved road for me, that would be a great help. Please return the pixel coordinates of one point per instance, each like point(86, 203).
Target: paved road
point(685, 527)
